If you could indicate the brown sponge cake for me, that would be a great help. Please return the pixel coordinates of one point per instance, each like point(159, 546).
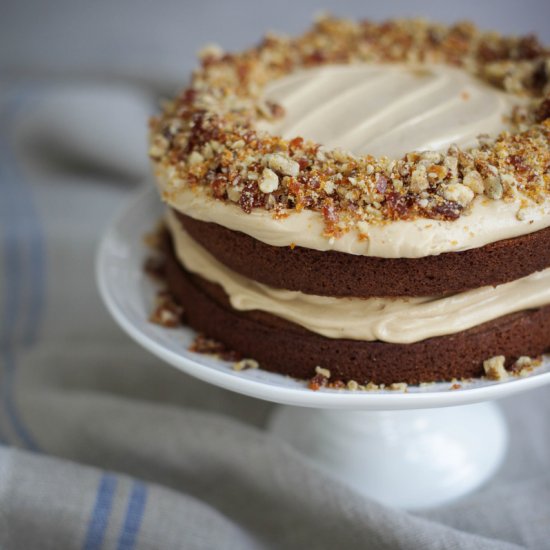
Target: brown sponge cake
point(284, 347)
point(338, 274)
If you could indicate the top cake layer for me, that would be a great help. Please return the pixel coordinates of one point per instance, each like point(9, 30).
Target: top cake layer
point(234, 141)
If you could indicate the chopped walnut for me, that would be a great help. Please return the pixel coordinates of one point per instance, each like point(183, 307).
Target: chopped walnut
point(493, 186)
point(494, 368)
point(458, 193)
point(322, 372)
point(320, 379)
point(398, 386)
point(195, 158)
point(269, 181)
point(167, 313)
point(419, 179)
point(209, 346)
point(284, 165)
point(474, 181)
point(245, 364)
point(524, 365)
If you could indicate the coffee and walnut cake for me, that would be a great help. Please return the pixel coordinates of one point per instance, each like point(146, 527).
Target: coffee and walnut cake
point(368, 199)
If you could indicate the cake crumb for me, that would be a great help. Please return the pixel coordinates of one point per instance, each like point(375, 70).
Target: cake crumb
point(167, 313)
point(155, 238)
point(524, 365)
point(245, 364)
point(322, 372)
point(320, 379)
point(209, 346)
point(398, 386)
point(494, 368)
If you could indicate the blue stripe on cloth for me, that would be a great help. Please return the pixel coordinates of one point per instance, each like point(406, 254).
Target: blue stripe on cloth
point(22, 232)
point(101, 513)
point(134, 516)
point(29, 229)
point(31, 238)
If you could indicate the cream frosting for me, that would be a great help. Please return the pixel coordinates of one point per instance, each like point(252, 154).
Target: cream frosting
point(380, 109)
point(487, 222)
point(397, 320)
point(388, 109)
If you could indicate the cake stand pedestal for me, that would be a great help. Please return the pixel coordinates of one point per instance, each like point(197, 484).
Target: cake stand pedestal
point(412, 459)
point(414, 450)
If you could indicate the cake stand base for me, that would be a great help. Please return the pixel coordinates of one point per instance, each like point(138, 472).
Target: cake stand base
point(411, 459)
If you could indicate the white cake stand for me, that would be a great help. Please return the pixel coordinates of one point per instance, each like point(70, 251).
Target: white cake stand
point(414, 450)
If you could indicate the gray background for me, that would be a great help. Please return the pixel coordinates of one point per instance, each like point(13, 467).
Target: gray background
point(156, 40)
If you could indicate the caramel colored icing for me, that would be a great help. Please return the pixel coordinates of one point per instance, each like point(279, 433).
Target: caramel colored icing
point(388, 109)
point(398, 320)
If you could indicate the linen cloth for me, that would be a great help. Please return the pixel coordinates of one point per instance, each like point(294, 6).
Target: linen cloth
point(101, 444)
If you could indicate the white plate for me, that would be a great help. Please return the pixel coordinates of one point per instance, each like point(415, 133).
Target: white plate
point(129, 294)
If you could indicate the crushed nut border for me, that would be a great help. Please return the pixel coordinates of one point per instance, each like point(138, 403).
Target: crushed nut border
point(207, 136)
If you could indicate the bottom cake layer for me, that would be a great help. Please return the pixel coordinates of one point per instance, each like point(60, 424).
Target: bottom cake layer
point(286, 348)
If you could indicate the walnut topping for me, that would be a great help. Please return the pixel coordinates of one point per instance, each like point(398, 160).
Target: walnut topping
point(284, 165)
point(419, 179)
point(474, 181)
point(459, 193)
point(269, 181)
point(210, 52)
point(209, 137)
point(195, 158)
point(493, 186)
point(494, 368)
point(234, 192)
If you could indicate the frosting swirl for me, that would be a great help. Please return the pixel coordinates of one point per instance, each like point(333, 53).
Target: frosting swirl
point(388, 109)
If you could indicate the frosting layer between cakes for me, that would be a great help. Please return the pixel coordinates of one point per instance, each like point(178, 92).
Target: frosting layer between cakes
point(395, 320)
point(488, 221)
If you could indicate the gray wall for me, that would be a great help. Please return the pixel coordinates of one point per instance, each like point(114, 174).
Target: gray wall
point(156, 40)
